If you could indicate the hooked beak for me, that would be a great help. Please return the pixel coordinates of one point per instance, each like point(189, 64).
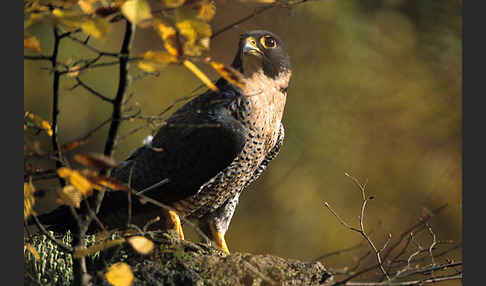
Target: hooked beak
point(250, 47)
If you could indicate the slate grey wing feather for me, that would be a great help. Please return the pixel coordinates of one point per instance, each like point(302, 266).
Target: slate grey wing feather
point(196, 143)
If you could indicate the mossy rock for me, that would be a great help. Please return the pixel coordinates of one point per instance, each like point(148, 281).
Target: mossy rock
point(175, 262)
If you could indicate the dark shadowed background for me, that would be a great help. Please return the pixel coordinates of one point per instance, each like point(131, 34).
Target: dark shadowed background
point(376, 92)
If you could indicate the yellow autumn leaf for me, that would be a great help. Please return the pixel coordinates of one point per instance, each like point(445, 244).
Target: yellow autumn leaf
point(29, 199)
point(148, 66)
point(230, 74)
point(259, 1)
point(136, 11)
point(197, 72)
point(82, 252)
point(173, 3)
point(38, 122)
point(196, 34)
point(120, 274)
point(73, 71)
point(141, 244)
point(86, 6)
point(31, 43)
point(99, 182)
point(206, 10)
point(74, 144)
point(61, 3)
point(193, 29)
point(70, 196)
point(70, 18)
point(81, 183)
point(95, 160)
point(97, 27)
point(160, 57)
point(169, 36)
point(32, 250)
point(155, 60)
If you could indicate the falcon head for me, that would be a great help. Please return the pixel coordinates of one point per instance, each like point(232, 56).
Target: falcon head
point(261, 50)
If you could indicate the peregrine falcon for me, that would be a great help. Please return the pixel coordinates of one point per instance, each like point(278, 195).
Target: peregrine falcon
point(212, 148)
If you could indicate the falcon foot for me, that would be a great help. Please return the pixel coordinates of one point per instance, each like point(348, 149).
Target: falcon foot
point(174, 222)
point(218, 237)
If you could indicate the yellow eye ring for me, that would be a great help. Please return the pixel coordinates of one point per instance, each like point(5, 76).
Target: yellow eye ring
point(268, 42)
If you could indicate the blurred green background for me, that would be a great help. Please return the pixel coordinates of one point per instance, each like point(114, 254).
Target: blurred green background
point(376, 92)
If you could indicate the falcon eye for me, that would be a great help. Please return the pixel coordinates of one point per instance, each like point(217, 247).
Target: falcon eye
point(268, 42)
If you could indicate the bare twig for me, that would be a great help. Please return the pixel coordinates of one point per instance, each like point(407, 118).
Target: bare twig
point(38, 58)
point(361, 229)
point(255, 13)
point(55, 103)
point(408, 283)
point(91, 90)
point(338, 252)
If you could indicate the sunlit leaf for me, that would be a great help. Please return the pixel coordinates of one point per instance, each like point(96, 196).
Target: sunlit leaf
point(97, 27)
point(155, 60)
point(86, 6)
point(32, 250)
point(173, 3)
point(95, 160)
point(82, 252)
point(206, 10)
point(80, 182)
point(70, 18)
point(196, 71)
point(230, 74)
point(169, 36)
point(71, 145)
point(70, 196)
point(29, 199)
point(100, 181)
point(37, 121)
point(136, 11)
point(120, 274)
point(141, 244)
point(31, 43)
point(197, 34)
point(73, 71)
point(194, 29)
point(160, 57)
point(62, 3)
point(259, 1)
point(149, 67)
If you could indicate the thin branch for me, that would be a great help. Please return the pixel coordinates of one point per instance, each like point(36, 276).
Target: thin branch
point(338, 252)
point(95, 50)
point(361, 230)
point(92, 91)
point(408, 283)
point(38, 58)
point(242, 20)
point(255, 13)
point(55, 104)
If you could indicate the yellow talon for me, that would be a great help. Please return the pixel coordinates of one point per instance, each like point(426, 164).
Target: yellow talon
point(174, 222)
point(219, 238)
